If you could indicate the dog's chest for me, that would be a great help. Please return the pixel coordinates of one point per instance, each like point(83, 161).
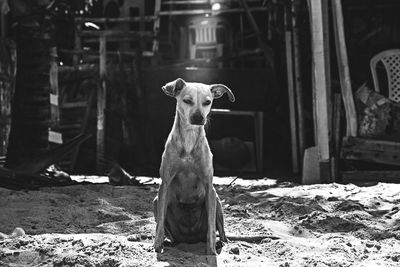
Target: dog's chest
point(187, 224)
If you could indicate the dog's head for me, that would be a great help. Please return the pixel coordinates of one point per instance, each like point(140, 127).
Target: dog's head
point(194, 100)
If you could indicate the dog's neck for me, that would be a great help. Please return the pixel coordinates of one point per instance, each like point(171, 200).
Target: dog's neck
point(188, 136)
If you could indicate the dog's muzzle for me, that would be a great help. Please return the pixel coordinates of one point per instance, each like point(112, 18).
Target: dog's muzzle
point(197, 119)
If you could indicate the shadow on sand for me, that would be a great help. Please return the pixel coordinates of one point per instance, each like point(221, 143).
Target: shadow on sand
point(186, 255)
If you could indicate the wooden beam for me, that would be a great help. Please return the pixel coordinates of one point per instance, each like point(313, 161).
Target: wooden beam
point(298, 84)
point(320, 84)
point(325, 17)
point(378, 151)
point(101, 104)
point(111, 20)
point(291, 95)
point(371, 176)
point(344, 73)
point(337, 114)
point(208, 11)
point(156, 25)
point(118, 33)
point(77, 42)
point(54, 90)
point(54, 99)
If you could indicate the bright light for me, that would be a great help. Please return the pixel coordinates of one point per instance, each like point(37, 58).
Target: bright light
point(216, 7)
point(91, 25)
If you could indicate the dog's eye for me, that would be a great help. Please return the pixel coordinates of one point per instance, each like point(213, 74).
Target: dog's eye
point(208, 102)
point(188, 101)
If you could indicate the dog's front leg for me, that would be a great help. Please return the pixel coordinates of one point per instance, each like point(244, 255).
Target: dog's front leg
point(211, 209)
point(220, 220)
point(160, 216)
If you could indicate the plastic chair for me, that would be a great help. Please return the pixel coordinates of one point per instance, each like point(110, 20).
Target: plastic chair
point(204, 35)
point(391, 62)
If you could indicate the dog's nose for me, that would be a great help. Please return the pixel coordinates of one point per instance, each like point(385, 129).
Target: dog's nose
point(197, 119)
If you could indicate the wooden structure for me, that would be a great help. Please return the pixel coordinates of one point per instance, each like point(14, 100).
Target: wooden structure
point(327, 121)
point(102, 38)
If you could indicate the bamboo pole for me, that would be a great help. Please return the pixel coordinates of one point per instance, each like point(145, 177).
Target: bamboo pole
point(344, 73)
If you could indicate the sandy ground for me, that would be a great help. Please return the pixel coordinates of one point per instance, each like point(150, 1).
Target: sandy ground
point(276, 224)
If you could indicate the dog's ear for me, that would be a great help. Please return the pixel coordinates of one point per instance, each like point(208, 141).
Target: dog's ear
point(173, 88)
point(219, 90)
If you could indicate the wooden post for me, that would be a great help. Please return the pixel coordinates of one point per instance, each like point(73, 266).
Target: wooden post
point(298, 85)
point(54, 134)
point(3, 21)
point(156, 26)
point(344, 73)
point(320, 85)
point(101, 103)
point(291, 95)
point(325, 17)
point(77, 41)
point(268, 53)
point(337, 107)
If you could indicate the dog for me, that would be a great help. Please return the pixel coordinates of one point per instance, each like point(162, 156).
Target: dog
point(187, 208)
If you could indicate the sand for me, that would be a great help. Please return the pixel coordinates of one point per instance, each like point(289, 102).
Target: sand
point(270, 224)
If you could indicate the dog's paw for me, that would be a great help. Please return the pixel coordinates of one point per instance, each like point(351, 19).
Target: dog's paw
point(158, 248)
point(211, 250)
point(158, 245)
point(168, 243)
point(219, 245)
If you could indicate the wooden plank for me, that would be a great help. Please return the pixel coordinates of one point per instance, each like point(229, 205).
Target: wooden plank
point(113, 20)
point(326, 31)
point(344, 73)
point(101, 104)
point(77, 104)
point(156, 25)
point(190, 2)
point(77, 42)
point(320, 79)
point(83, 130)
point(378, 151)
point(209, 11)
point(337, 111)
point(298, 85)
point(4, 24)
point(196, 2)
point(371, 176)
point(291, 96)
point(54, 91)
point(94, 52)
point(117, 34)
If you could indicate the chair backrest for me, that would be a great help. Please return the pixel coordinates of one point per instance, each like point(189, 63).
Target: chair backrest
point(391, 61)
point(205, 29)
